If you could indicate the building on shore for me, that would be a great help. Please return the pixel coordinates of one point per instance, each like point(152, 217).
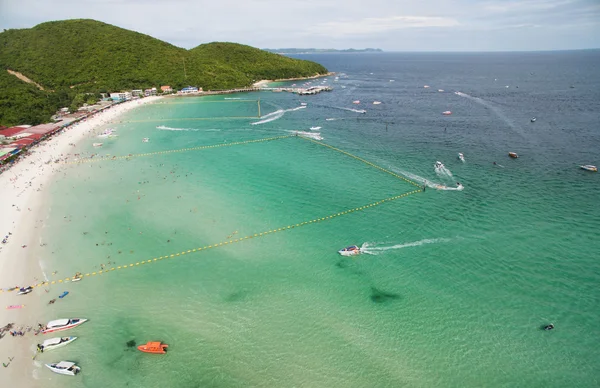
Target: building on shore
point(150, 92)
point(121, 96)
point(190, 89)
point(137, 92)
point(166, 89)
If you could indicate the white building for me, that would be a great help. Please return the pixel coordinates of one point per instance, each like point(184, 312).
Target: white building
point(137, 92)
point(121, 96)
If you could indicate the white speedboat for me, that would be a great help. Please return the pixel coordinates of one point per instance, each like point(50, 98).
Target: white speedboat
point(315, 128)
point(376, 102)
point(533, 119)
point(589, 167)
point(64, 368)
point(352, 250)
point(303, 103)
point(24, 291)
point(54, 343)
point(145, 140)
point(356, 102)
point(461, 157)
point(447, 113)
point(63, 324)
point(97, 144)
point(438, 165)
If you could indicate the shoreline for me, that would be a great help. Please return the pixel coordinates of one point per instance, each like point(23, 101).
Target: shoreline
point(24, 190)
point(264, 82)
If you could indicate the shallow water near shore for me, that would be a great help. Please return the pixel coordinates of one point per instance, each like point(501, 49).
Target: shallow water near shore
point(454, 285)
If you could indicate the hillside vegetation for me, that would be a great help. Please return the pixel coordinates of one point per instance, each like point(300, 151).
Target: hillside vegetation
point(75, 56)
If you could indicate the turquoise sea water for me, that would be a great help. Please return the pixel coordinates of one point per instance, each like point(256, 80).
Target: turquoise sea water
point(454, 286)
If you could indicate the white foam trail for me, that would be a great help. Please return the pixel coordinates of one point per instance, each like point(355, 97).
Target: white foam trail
point(374, 250)
point(276, 115)
point(443, 171)
point(165, 128)
point(494, 109)
point(350, 109)
point(312, 135)
point(427, 182)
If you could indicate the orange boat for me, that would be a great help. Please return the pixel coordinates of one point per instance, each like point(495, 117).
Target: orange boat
point(513, 155)
point(153, 347)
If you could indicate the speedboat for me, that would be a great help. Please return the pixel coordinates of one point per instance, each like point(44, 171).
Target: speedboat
point(145, 140)
point(589, 167)
point(513, 155)
point(54, 343)
point(350, 251)
point(153, 347)
point(461, 157)
point(303, 103)
point(376, 102)
point(447, 113)
point(64, 368)
point(63, 324)
point(438, 165)
point(97, 144)
point(24, 291)
point(440, 90)
point(533, 119)
point(315, 128)
point(356, 102)
point(426, 86)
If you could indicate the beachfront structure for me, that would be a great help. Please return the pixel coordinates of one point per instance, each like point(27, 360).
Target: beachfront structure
point(190, 89)
point(137, 92)
point(121, 96)
point(166, 89)
point(150, 92)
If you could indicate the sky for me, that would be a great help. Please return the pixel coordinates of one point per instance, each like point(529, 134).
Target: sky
point(392, 25)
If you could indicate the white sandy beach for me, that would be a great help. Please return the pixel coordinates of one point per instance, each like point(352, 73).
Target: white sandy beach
point(22, 191)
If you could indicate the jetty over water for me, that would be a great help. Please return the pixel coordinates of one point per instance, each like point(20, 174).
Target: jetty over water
point(300, 91)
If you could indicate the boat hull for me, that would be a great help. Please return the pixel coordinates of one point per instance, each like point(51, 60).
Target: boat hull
point(61, 328)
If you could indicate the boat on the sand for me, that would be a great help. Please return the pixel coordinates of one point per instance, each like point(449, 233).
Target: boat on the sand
point(67, 368)
point(63, 324)
point(54, 343)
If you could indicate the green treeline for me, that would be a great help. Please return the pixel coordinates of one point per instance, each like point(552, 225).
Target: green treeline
point(72, 57)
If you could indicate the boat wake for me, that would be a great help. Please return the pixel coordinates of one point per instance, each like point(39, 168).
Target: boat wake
point(494, 109)
point(276, 115)
point(443, 171)
point(165, 128)
point(376, 250)
point(426, 182)
point(312, 135)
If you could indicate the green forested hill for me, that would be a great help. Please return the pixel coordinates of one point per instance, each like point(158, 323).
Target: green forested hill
point(75, 56)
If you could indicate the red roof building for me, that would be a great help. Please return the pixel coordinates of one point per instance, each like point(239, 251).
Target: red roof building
point(12, 131)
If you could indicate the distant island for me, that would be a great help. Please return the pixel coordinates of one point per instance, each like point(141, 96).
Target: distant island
point(71, 62)
point(319, 51)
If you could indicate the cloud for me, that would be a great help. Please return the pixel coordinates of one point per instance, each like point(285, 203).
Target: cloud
point(378, 25)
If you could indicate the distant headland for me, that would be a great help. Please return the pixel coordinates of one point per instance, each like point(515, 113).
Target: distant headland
point(320, 51)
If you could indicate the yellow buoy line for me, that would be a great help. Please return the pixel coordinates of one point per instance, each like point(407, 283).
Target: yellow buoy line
point(362, 160)
point(108, 158)
point(231, 241)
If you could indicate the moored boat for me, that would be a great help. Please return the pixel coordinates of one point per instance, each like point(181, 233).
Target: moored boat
point(67, 368)
point(155, 347)
point(97, 144)
point(513, 155)
point(447, 113)
point(63, 324)
point(54, 343)
point(376, 102)
point(589, 167)
point(533, 119)
point(356, 102)
point(350, 251)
